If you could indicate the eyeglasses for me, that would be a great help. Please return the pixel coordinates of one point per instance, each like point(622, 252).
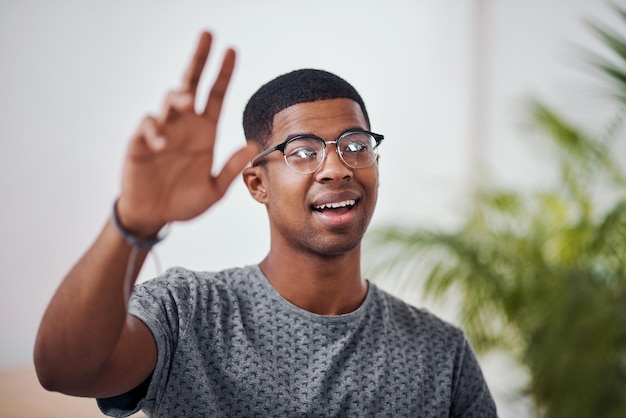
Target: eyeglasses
point(304, 154)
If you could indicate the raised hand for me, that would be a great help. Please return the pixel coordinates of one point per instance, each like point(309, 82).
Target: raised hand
point(168, 170)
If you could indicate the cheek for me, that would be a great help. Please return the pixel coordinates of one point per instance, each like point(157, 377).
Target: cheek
point(371, 181)
point(286, 189)
point(375, 193)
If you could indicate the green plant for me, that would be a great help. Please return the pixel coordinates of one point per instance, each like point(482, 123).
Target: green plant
point(541, 274)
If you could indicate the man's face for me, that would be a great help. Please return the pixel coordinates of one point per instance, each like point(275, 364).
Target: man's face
point(298, 204)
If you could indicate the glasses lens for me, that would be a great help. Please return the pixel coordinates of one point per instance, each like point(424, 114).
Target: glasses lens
point(304, 155)
point(358, 149)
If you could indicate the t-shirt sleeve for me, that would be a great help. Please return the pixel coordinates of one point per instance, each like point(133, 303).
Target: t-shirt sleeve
point(160, 304)
point(471, 396)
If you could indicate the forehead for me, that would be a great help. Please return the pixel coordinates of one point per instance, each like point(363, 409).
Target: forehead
point(325, 118)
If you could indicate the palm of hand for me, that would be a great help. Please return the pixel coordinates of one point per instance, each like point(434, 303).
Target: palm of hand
point(176, 183)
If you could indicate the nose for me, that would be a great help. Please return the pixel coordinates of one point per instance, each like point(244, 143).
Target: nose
point(333, 168)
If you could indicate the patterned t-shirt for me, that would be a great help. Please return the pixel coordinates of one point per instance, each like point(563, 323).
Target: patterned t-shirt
point(229, 345)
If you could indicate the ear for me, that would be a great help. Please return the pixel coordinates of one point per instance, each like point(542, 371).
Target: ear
point(254, 178)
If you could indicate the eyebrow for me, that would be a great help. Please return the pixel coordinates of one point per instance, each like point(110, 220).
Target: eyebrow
point(354, 128)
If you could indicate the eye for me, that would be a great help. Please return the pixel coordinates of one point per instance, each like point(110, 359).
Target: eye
point(304, 149)
point(356, 146)
point(303, 153)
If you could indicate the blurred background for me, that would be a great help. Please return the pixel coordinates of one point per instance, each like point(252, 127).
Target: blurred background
point(448, 82)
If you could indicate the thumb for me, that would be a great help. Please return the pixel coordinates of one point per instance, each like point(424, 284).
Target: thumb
point(234, 166)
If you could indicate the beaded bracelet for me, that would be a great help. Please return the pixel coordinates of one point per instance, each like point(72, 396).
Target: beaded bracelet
point(132, 239)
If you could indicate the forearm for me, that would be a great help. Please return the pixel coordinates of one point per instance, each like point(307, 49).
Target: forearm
point(84, 320)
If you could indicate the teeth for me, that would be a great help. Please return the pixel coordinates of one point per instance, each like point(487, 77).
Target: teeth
point(336, 205)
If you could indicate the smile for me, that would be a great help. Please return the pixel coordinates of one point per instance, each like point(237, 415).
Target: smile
point(335, 205)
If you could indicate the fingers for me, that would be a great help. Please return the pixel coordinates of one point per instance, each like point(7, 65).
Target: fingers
point(196, 66)
point(149, 132)
point(175, 103)
point(218, 91)
point(183, 100)
point(233, 167)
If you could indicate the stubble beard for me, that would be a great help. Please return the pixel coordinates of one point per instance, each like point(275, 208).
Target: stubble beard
point(330, 244)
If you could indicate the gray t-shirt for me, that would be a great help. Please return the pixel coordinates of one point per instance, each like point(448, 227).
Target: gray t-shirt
point(229, 345)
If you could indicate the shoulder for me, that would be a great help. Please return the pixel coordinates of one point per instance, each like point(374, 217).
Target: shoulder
point(417, 323)
point(181, 298)
point(182, 280)
point(182, 292)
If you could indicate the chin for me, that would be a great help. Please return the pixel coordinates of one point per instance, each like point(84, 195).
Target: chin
point(333, 248)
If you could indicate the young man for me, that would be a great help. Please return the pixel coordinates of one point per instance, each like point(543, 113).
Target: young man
point(300, 334)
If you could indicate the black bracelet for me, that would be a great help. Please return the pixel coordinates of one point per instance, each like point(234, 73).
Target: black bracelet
point(132, 239)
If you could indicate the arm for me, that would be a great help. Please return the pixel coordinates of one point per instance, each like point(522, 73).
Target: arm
point(86, 345)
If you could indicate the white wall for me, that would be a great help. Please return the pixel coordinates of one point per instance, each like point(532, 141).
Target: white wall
point(76, 77)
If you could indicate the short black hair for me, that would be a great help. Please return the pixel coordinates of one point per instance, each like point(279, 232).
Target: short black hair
point(300, 86)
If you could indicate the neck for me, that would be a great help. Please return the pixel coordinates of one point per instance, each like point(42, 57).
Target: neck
point(319, 284)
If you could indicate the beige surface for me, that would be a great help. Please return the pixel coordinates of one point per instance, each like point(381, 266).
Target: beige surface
point(21, 396)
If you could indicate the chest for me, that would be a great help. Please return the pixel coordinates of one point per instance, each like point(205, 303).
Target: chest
point(286, 367)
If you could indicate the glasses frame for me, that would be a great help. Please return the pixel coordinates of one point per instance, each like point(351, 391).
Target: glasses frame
point(283, 146)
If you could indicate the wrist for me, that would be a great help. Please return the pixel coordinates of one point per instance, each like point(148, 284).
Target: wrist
point(140, 237)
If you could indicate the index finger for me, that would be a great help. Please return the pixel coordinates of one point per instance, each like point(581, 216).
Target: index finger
point(194, 71)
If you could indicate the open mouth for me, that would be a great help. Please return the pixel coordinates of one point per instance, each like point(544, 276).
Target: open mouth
point(343, 206)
